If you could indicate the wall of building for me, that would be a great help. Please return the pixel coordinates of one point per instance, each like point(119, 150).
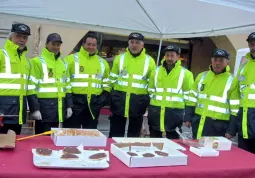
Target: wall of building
point(238, 41)
point(223, 42)
point(70, 37)
point(201, 55)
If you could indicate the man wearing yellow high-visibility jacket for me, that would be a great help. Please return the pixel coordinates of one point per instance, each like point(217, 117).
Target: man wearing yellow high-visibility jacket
point(246, 115)
point(51, 77)
point(129, 99)
point(90, 84)
point(168, 87)
point(216, 91)
point(15, 85)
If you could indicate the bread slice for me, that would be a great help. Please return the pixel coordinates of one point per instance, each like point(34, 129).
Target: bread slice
point(43, 151)
point(68, 156)
point(98, 156)
point(72, 150)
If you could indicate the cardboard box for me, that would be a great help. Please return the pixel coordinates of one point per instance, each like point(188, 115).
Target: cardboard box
point(175, 157)
point(92, 141)
point(8, 140)
point(204, 152)
point(217, 143)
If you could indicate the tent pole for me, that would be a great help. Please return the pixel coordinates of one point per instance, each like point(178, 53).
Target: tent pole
point(159, 50)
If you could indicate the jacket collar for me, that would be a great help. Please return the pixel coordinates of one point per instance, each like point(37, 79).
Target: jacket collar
point(226, 70)
point(12, 47)
point(50, 55)
point(86, 53)
point(177, 64)
point(141, 53)
point(249, 56)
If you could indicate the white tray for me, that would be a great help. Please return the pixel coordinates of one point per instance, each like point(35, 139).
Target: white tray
point(55, 162)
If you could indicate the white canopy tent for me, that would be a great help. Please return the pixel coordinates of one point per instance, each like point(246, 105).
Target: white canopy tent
point(160, 19)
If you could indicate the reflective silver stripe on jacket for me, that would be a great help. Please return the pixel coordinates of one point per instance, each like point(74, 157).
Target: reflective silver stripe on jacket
point(76, 68)
point(170, 90)
point(139, 77)
point(9, 75)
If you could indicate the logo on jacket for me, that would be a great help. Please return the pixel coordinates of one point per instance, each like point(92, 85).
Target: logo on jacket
point(81, 69)
point(27, 67)
point(98, 75)
point(123, 72)
point(50, 74)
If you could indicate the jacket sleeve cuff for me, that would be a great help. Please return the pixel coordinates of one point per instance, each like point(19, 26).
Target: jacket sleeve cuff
point(33, 103)
point(69, 100)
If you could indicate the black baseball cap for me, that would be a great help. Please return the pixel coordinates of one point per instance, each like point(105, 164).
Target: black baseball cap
point(173, 48)
point(54, 37)
point(21, 28)
point(220, 53)
point(251, 37)
point(136, 36)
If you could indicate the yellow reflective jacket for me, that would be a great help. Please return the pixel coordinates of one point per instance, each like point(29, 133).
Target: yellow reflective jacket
point(130, 74)
point(170, 90)
point(52, 80)
point(247, 83)
point(14, 79)
point(129, 77)
point(50, 75)
point(247, 97)
point(89, 74)
point(14, 71)
point(217, 95)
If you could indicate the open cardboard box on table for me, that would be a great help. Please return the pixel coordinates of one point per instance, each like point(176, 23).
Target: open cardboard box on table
point(217, 143)
point(8, 140)
point(204, 152)
point(174, 158)
point(92, 141)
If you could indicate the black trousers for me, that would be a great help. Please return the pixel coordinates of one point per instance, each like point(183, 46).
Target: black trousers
point(15, 127)
point(41, 126)
point(118, 125)
point(246, 144)
point(212, 127)
point(158, 134)
point(83, 120)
